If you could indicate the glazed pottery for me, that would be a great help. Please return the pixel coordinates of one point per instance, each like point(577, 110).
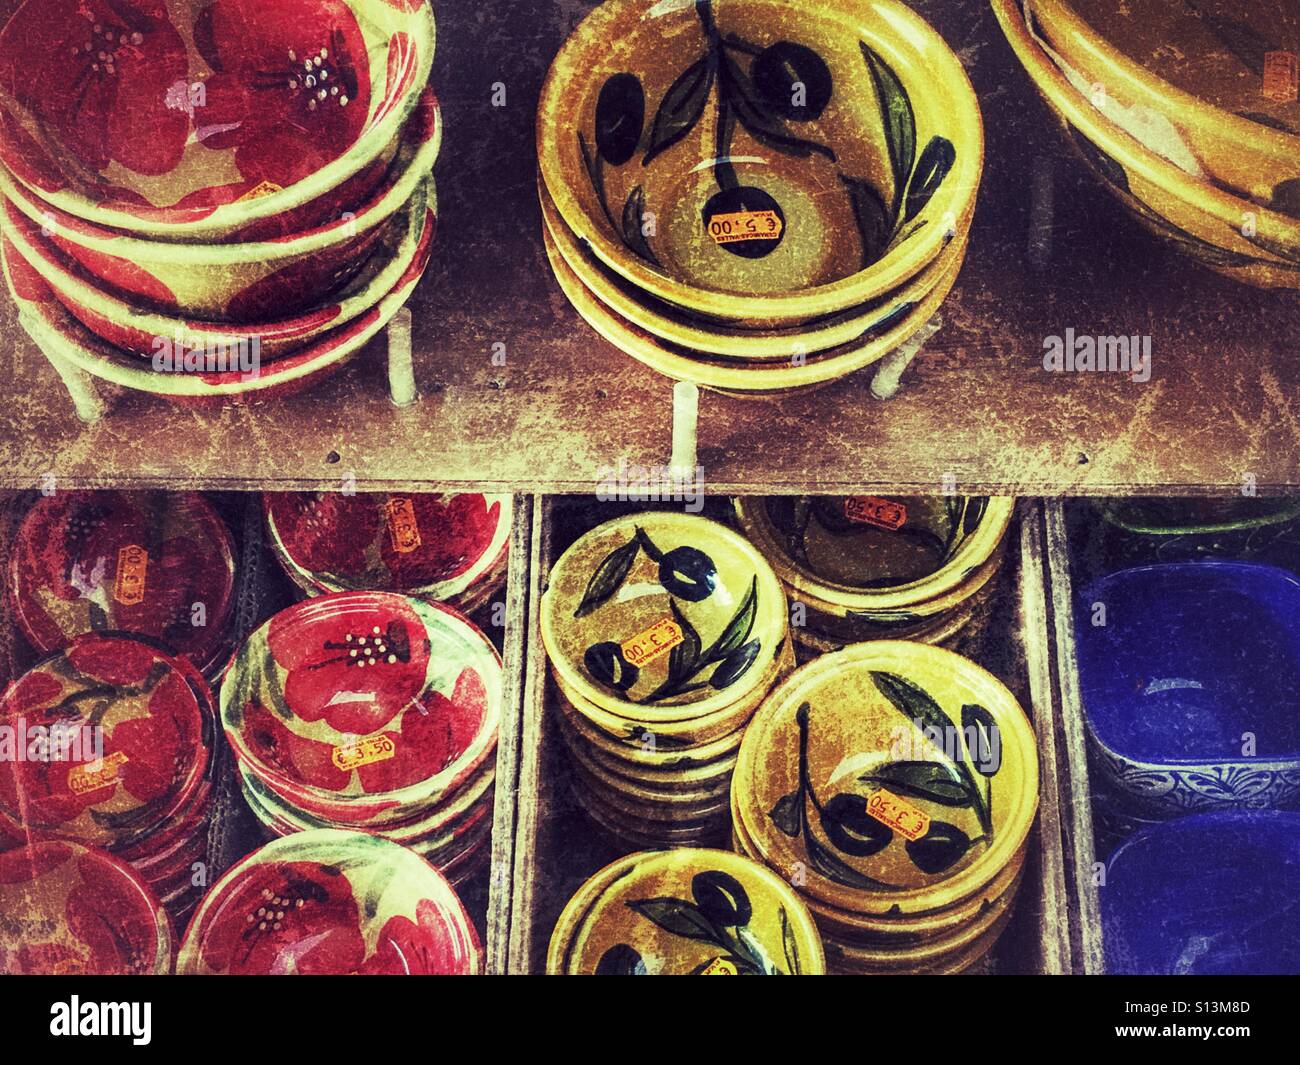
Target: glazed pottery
point(192, 120)
point(1190, 679)
point(694, 147)
point(72, 910)
point(435, 545)
point(358, 704)
point(64, 339)
point(900, 778)
point(125, 729)
point(663, 617)
point(331, 903)
point(1210, 894)
point(156, 564)
point(685, 912)
point(1229, 234)
point(246, 282)
point(1172, 530)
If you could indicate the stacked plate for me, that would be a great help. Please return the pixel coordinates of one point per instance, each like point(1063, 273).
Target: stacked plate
point(665, 631)
point(874, 567)
point(685, 912)
point(115, 740)
point(371, 712)
point(245, 221)
point(894, 785)
point(1188, 115)
point(449, 548)
point(330, 903)
point(753, 205)
point(157, 564)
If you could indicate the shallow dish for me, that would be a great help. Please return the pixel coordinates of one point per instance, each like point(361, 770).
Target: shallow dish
point(331, 903)
point(158, 564)
point(71, 910)
point(136, 733)
point(901, 777)
point(1195, 662)
point(1210, 894)
point(193, 120)
point(716, 161)
point(432, 544)
point(246, 282)
point(358, 703)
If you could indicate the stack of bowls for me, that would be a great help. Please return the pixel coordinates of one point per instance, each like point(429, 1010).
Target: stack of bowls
point(1181, 110)
point(664, 631)
point(371, 712)
point(160, 565)
point(751, 204)
point(122, 762)
point(685, 912)
point(331, 903)
point(448, 548)
point(873, 567)
point(894, 784)
point(244, 223)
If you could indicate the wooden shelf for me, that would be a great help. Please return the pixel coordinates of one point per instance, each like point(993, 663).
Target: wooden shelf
point(1222, 402)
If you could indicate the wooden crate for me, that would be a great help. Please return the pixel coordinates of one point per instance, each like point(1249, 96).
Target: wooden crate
point(556, 847)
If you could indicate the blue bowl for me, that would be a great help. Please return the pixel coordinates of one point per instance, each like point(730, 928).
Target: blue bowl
point(1214, 893)
point(1191, 687)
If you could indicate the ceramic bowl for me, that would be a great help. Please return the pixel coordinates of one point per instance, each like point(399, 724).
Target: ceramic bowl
point(1194, 664)
point(361, 703)
point(1209, 894)
point(435, 545)
point(134, 733)
point(244, 113)
point(901, 777)
point(685, 912)
point(129, 326)
point(1192, 84)
point(61, 337)
point(1231, 235)
point(156, 564)
point(673, 769)
point(758, 381)
point(663, 617)
point(725, 338)
point(73, 910)
point(246, 282)
point(331, 903)
point(692, 146)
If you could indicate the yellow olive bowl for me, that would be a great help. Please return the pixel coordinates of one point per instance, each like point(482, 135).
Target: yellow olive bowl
point(745, 160)
point(1194, 125)
point(685, 911)
point(1225, 232)
point(894, 777)
point(818, 369)
point(736, 340)
point(684, 772)
point(663, 617)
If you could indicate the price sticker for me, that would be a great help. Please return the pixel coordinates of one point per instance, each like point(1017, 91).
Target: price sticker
point(872, 510)
point(83, 779)
point(899, 814)
point(1281, 76)
point(657, 640)
point(128, 585)
point(745, 225)
point(402, 526)
point(719, 967)
point(352, 756)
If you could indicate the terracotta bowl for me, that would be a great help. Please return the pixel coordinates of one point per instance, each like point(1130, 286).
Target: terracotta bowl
point(72, 910)
point(331, 903)
point(193, 120)
point(731, 160)
point(245, 282)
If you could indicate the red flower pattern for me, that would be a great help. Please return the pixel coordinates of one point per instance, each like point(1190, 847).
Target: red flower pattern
point(422, 947)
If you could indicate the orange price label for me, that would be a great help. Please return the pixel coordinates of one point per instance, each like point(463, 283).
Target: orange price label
point(872, 510)
point(352, 756)
point(402, 525)
point(745, 225)
point(658, 639)
point(262, 188)
point(83, 779)
point(719, 967)
point(1281, 76)
point(898, 814)
point(128, 585)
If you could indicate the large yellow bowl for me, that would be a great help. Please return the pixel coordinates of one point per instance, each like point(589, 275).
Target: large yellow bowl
point(1225, 232)
point(757, 161)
